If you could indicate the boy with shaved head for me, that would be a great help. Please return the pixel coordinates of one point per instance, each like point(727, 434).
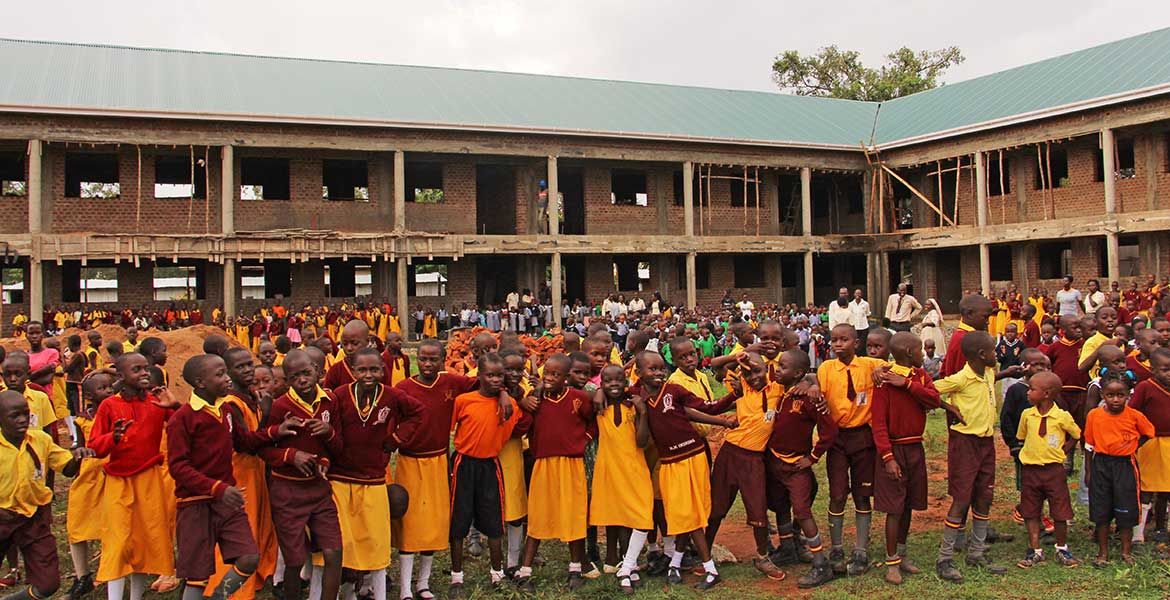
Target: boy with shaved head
point(354, 336)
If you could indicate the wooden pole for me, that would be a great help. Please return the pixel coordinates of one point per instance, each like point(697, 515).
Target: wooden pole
point(207, 189)
point(745, 200)
point(701, 199)
point(1051, 184)
point(1002, 193)
point(138, 207)
point(688, 199)
point(757, 201)
point(191, 200)
point(941, 200)
point(943, 218)
point(1043, 186)
point(958, 180)
point(881, 203)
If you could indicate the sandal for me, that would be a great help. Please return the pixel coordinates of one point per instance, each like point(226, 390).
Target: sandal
point(425, 594)
point(1100, 563)
point(626, 585)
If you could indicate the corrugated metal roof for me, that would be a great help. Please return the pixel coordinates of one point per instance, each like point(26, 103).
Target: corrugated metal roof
point(109, 78)
point(1119, 70)
point(97, 79)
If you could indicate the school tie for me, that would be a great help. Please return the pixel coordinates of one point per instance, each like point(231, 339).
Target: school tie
point(617, 415)
point(1043, 431)
point(850, 393)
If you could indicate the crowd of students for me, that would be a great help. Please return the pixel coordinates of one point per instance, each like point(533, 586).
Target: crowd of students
point(279, 465)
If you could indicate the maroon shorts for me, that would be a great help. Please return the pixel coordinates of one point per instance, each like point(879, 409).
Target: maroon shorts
point(850, 463)
point(34, 538)
point(970, 468)
point(789, 487)
point(894, 496)
point(742, 471)
point(304, 516)
point(200, 527)
point(1045, 482)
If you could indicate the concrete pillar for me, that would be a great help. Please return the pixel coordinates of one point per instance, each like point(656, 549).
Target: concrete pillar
point(808, 277)
point(688, 198)
point(554, 193)
point(401, 300)
point(400, 193)
point(1111, 256)
point(692, 292)
point(872, 272)
point(806, 201)
point(227, 192)
point(985, 268)
point(980, 189)
point(555, 283)
point(36, 288)
point(230, 287)
point(35, 194)
point(1109, 170)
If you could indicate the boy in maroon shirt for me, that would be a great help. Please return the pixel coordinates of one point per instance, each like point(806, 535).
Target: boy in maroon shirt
point(974, 310)
point(201, 437)
point(899, 409)
point(562, 425)
point(791, 455)
point(1065, 355)
point(354, 336)
point(301, 496)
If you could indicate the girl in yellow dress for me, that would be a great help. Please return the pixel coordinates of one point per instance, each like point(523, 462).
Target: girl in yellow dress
point(623, 496)
point(83, 518)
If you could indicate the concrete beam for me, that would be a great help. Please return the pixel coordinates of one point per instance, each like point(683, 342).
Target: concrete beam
point(230, 287)
point(688, 198)
point(400, 192)
point(692, 292)
point(555, 284)
point(981, 189)
point(554, 192)
point(1109, 170)
point(1111, 254)
point(808, 278)
point(985, 268)
point(401, 298)
point(806, 201)
point(227, 191)
point(35, 188)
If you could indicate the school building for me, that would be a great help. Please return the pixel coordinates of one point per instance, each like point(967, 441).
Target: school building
point(134, 164)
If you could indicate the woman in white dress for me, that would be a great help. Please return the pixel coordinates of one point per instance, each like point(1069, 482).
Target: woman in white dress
point(932, 325)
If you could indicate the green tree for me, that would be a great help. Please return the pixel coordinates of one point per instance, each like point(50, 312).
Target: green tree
point(837, 73)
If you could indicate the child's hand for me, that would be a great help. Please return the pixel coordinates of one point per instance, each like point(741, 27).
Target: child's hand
point(82, 453)
point(165, 398)
point(731, 422)
point(893, 470)
point(233, 497)
point(305, 463)
point(120, 427)
point(954, 413)
point(879, 375)
point(505, 406)
point(735, 385)
point(639, 403)
point(530, 402)
point(317, 427)
point(804, 462)
point(289, 426)
point(893, 379)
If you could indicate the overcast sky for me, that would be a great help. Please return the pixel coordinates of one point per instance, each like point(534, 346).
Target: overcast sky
point(726, 44)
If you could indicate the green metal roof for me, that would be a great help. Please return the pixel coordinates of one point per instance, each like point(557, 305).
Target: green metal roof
point(57, 77)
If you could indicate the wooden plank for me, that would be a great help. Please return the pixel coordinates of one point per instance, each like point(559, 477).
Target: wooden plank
point(914, 191)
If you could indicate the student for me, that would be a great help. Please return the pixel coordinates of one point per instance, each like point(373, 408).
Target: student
point(847, 384)
point(1106, 321)
point(155, 352)
point(26, 455)
point(397, 363)
point(970, 395)
point(739, 466)
point(562, 422)
point(128, 428)
point(1113, 434)
point(201, 438)
point(900, 405)
point(480, 431)
point(248, 469)
point(1138, 361)
point(931, 361)
point(1048, 435)
point(354, 336)
point(422, 468)
point(580, 370)
point(1031, 336)
point(974, 311)
point(877, 343)
point(791, 455)
point(83, 520)
point(684, 476)
point(480, 345)
point(300, 496)
point(93, 352)
point(624, 500)
point(1007, 352)
point(1152, 399)
point(512, 463)
point(130, 344)
point(1064, 355)
point(267, 354)
point(15, 372)
point(1014, 404)
point(372, 419)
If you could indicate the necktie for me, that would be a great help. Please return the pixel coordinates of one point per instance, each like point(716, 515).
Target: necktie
point(898, 307)
point(617, 415)
point(849, 391)
point(1043, 431)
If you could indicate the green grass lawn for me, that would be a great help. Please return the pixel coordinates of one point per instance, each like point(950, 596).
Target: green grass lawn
point(1149, 578)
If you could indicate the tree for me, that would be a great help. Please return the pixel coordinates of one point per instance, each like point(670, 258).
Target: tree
point(837, 73)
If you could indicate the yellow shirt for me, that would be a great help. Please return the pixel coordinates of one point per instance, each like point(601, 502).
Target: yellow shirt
point(128, 346)
point(40, 409)
point(1091, 346)
point(19, 320)
point(698, 386)
point(22, 482)
point(93, 357)
point(755, 411)
point(1059, 427)
point(974, 396)
point(615, 357)
point(833, 378)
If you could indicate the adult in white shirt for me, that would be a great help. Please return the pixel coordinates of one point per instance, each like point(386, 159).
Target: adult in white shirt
point(1068, 299)
point(513, 300)
point(746, 307)
point(1095, 298)
point(901, 308)
point(839, 312)
point(637, 304)
point(859, 309)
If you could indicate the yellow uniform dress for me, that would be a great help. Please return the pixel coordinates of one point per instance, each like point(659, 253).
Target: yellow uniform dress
point(562, 513)
point(425, 526)
point(363, 512)
point(83, 516)
point(622, 492)
point(686, 494)
point(512, 468)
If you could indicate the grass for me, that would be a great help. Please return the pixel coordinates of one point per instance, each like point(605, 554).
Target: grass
point(1148, 578)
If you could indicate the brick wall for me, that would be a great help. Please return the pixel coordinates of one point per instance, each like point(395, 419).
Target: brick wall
point(456, 213)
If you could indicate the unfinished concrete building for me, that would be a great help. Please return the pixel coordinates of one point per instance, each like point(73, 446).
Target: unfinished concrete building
point(254, 178)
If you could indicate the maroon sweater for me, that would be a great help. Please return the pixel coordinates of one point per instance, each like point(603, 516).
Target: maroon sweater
point(199, 451)
point(674, 435)
point(368, 433)
point(1065, 358)
point(562, 426)
point(433, 436)
point(340, 374)
point(792, 428)
point(899, 414)
point(1153, 401)
point(279, 458)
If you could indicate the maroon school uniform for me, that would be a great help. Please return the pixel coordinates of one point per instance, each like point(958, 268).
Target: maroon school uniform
point(562, 426)
point(1141, 372)
point(674, 436)
point(953, 360)
point(792, 438)
point(300, 501)
point(1065, 357)
point(1153, 401)
point(899, 420)
point(433, 434)
point(1031, 334)
point(391, 417)
point(200, 442)
point(340, 374)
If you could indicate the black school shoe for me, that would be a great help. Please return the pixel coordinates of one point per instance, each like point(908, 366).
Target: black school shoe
point(709, 581)
point(81, 586)
point(575, 581)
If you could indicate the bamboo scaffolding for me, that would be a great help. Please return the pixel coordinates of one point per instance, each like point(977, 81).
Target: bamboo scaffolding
point(943, 217)
point(1051, 185)
point(1002, 193)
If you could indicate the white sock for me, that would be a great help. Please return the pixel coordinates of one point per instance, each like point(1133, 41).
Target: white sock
point(574, 567)
point(709, 567)
point(456, 577)
point(317, 573)
point(630, 561)
point(80, 554)
point(278, 574)
point(307, 569)
point(405, 573)
point(676, 560)
point(72, 427)
point(668, 545)
point(425, 562)
point(378, 584)
point(116, 588)
point(138, 585)
point(1139, 532)
point(515, 543)
point(497, 576)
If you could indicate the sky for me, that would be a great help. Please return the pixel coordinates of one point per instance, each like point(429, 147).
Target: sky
point(727, 44)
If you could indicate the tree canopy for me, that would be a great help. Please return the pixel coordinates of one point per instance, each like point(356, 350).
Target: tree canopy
point(837, 73)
